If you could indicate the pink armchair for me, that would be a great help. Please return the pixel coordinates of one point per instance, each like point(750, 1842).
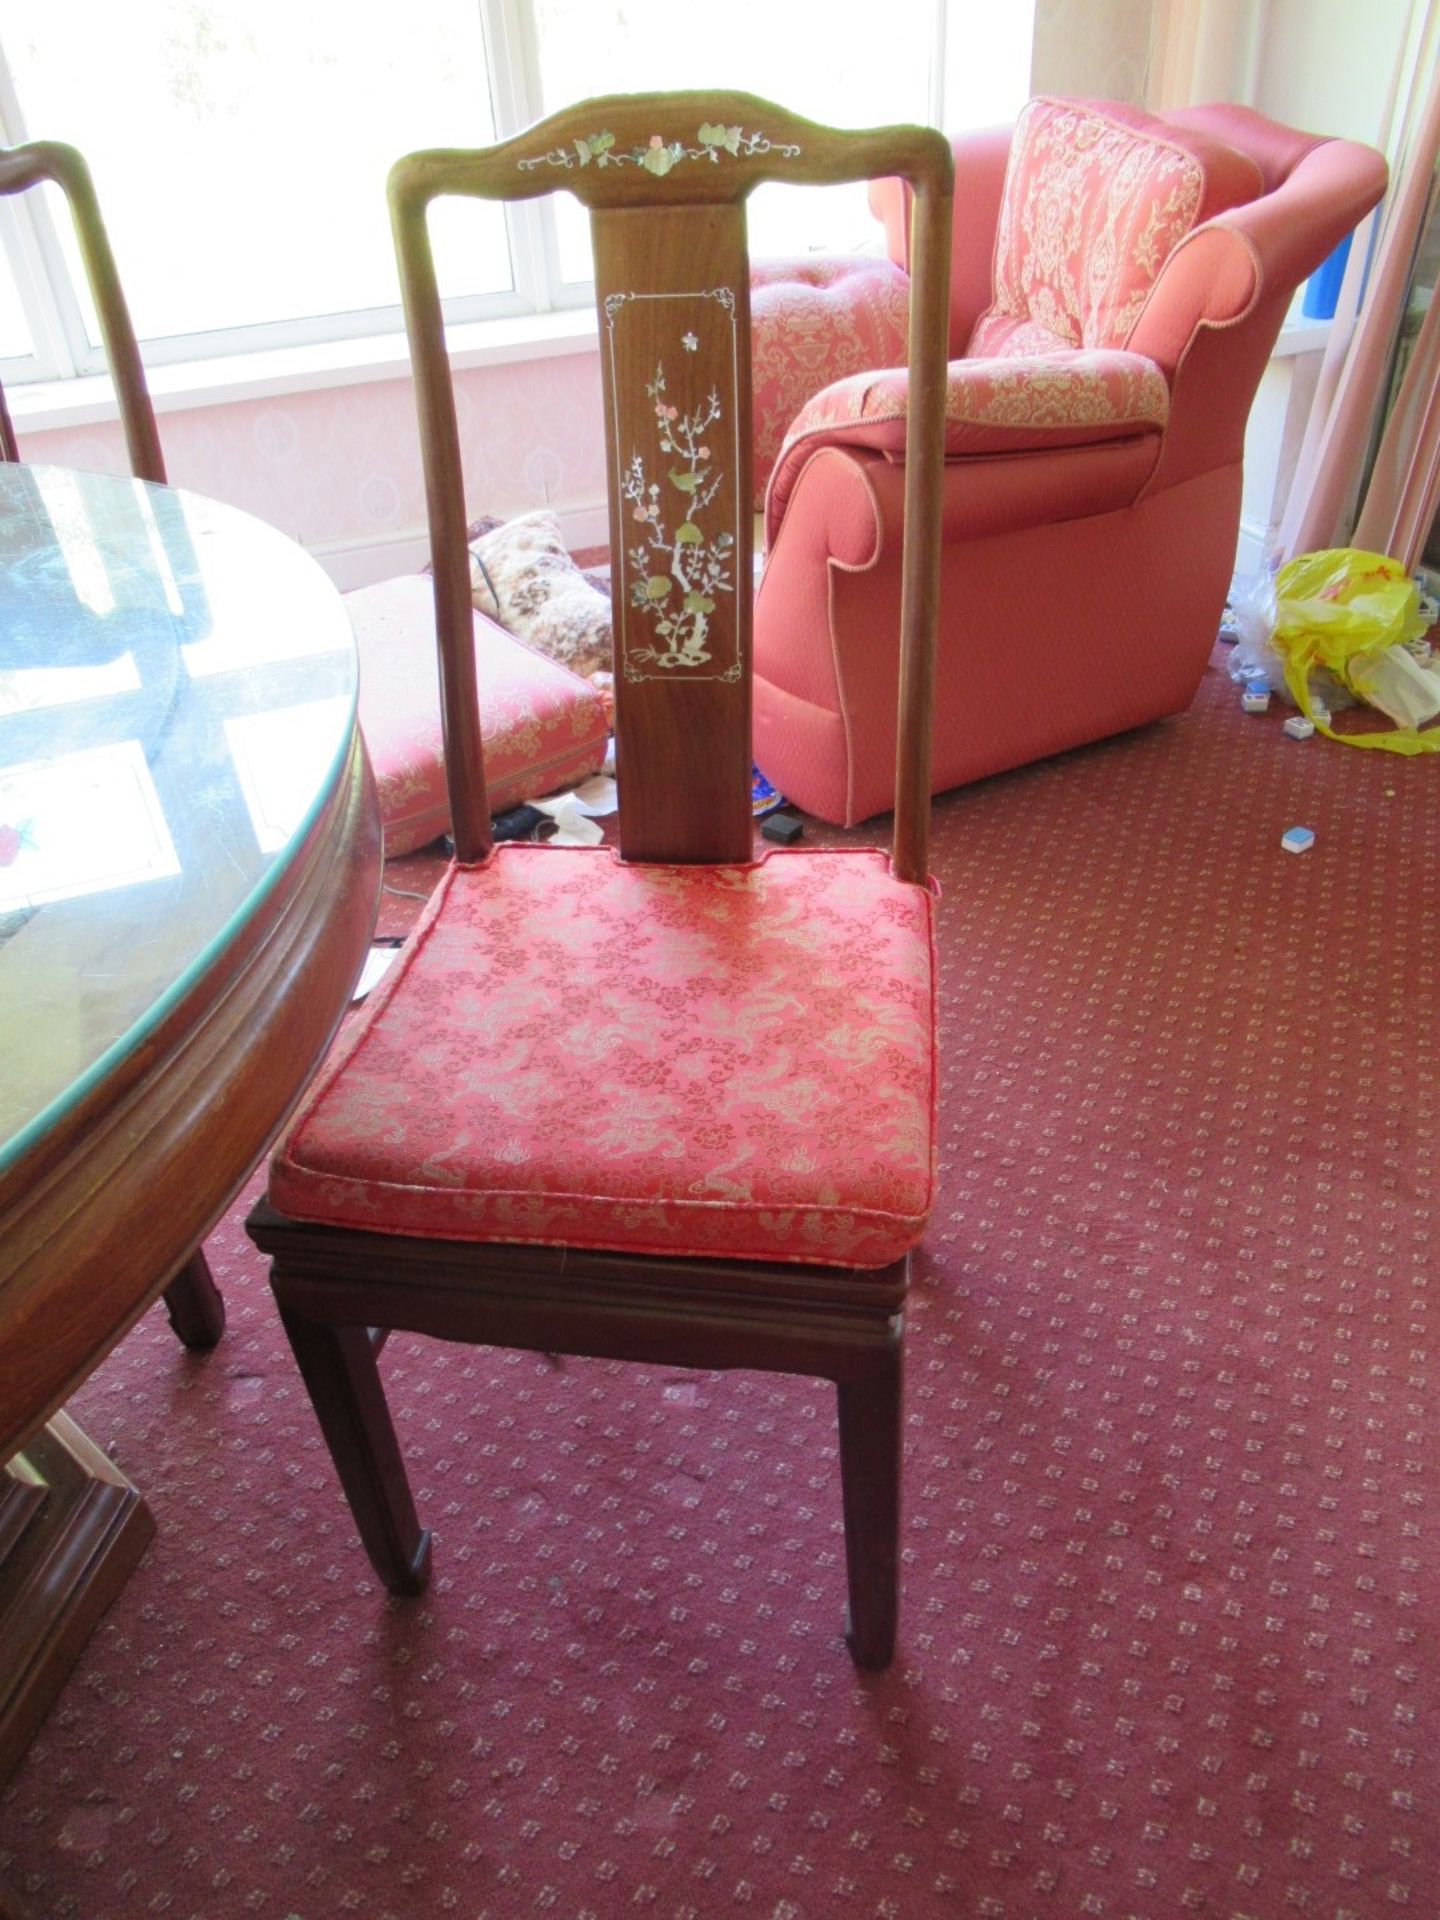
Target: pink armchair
point(1118, 284)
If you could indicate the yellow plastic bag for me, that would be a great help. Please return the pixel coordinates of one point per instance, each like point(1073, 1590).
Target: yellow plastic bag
point(1342, 609)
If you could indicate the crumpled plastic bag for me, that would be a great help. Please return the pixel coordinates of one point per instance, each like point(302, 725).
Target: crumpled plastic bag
point(1353, 614)
point(1252, 607)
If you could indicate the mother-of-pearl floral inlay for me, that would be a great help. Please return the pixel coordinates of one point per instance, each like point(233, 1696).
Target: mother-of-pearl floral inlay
point(659, 155)
point(679, 563)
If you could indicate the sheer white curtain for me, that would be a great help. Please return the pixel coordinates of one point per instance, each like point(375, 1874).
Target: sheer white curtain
point(1203, 50)
point(1208, 49)
point(1404, 488)
point(1357, 356)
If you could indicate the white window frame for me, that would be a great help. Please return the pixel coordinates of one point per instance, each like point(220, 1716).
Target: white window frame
point(63, 351)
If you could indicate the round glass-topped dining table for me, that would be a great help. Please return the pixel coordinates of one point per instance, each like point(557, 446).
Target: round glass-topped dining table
point(189, 871)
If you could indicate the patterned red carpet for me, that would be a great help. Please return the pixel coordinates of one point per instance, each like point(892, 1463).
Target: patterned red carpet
point(1164, 1646)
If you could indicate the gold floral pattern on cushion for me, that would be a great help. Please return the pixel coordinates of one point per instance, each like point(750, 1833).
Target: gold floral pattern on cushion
point(991, 406)
point(731, 1061)
point(542, 727)
point(813, 322)
point(522, 576)
point(1094, 204)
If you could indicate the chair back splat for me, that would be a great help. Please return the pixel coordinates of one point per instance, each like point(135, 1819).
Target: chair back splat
point(669, 1103)
point(665, 177)
point(29, 166)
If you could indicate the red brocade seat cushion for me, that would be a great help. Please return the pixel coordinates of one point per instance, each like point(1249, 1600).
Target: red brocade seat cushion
point(732, 1061)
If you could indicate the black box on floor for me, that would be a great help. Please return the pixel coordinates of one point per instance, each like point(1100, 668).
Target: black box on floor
point(783, 827)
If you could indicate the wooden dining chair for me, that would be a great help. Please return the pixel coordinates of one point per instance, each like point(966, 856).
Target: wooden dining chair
point(192, 1300)
point(670, 1102)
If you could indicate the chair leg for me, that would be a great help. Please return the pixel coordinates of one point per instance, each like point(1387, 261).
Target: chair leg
point(338, 1367)
point(870, 1487)
point(195, 1304)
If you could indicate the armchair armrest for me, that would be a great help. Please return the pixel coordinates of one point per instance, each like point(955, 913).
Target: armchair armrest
point(1259, 251)
point(1019, 404)
point(1218, 305)
point(1213, 278)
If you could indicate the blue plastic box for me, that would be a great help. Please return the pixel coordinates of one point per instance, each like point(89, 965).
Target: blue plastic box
point(1322, 289)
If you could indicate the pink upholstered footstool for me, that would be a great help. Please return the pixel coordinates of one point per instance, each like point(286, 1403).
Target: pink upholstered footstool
point(543, 727)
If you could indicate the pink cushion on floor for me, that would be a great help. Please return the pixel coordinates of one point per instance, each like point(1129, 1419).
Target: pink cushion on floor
point(543, 727)
point(730, 1061)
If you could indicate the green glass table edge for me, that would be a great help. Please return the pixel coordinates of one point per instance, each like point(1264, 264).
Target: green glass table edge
point(13, 1150)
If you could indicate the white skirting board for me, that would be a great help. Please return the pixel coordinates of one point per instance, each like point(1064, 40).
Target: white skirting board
point(360, 563)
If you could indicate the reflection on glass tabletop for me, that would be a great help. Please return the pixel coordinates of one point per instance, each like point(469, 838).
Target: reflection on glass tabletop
point(177, 690)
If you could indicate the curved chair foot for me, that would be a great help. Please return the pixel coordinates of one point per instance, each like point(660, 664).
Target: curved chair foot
point(873, 1653)
point(415, 1577)
point(869, 1410)
point(195, 1304)
point(338, 1367)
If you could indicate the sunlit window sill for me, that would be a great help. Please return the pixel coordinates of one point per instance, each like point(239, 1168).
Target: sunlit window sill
point(1300, 334)
point(42, 405)
point(48, 404)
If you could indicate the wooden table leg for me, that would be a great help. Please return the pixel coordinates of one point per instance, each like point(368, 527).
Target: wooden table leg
point(195, 1304)
point(72, 1529)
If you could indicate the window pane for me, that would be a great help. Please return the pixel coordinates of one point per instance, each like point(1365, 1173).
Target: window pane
point(826, 62)
point(240, 147)
point(15, 341)
point(987, 64)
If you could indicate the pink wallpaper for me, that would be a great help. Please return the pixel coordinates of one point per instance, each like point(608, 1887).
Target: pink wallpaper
point(341, 465)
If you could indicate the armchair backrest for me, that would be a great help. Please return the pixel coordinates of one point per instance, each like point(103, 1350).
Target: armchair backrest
point(1219, 292)
point(1292, 196)
point(1096, 198)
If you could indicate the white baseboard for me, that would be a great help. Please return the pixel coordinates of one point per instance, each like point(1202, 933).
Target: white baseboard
point(361, 562)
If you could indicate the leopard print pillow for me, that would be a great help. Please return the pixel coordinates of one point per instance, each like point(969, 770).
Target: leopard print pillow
point(521, 575)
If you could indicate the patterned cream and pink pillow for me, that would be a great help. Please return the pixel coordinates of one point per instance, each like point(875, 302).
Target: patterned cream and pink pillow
point(1095, 201)
point(543, 728)
point(522, 576)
